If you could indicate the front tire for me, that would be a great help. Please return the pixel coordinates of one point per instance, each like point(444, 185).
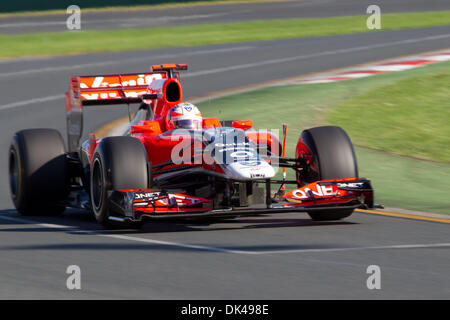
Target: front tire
point(118, 163)
point(38, 172)
point(331, 157)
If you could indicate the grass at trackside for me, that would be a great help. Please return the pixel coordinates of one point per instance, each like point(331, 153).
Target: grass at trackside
point(411, 116)
point(406, 183)
point(59, 43)
point(399, 181)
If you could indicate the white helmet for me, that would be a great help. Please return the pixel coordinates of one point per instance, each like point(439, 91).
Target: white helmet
point(184, 116)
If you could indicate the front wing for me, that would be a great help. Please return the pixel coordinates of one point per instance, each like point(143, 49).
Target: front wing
point(336, 194)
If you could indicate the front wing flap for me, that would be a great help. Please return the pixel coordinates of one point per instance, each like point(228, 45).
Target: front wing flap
point(333, 191)
point(318, 196)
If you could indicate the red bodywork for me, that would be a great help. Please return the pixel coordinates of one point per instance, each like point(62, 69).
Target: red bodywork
point(161, 90)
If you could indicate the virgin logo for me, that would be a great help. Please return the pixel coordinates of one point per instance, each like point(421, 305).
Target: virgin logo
point(116, 81)
point(321, 191)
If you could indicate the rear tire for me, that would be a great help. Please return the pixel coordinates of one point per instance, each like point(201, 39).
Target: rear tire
point(38, 172)
point(118, 163)
point(333, 157)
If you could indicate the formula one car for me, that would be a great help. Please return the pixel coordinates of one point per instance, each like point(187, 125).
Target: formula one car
point(225, 169)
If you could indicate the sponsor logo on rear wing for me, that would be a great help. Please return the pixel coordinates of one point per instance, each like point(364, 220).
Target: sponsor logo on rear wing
point(114, 89)
point(100, 90)
point(118, 88)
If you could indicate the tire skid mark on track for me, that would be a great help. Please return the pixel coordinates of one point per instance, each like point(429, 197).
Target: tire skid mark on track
point(221, 249)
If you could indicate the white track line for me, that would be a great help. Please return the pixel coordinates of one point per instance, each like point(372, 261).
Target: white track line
point(122, 237)
point(117, 61)
point(31, 101)
point(400, 246)
point(228, 68)
point(217, 249)
point(307, 56)
point(216, 70)
point(176, 244)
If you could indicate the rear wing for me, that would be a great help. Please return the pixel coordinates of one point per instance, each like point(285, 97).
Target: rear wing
point(115, 89)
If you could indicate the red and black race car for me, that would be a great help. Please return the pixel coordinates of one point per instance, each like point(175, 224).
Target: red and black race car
point(226, 169)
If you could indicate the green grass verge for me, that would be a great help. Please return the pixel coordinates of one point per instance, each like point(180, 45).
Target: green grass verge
point(59, 43)
point(410, 117)
point(406, 183)
point(399, 181)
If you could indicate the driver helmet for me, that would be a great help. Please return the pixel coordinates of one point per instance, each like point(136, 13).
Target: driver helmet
point(184, 116)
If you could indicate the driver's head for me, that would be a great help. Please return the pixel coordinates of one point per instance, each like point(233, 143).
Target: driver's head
point(184, 116)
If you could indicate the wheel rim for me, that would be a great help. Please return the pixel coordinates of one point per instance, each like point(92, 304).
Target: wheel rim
point(13, 173)
point(97, 185)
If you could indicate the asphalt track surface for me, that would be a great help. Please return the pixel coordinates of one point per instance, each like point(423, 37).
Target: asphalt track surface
point(219, 13)
point(282, 256)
